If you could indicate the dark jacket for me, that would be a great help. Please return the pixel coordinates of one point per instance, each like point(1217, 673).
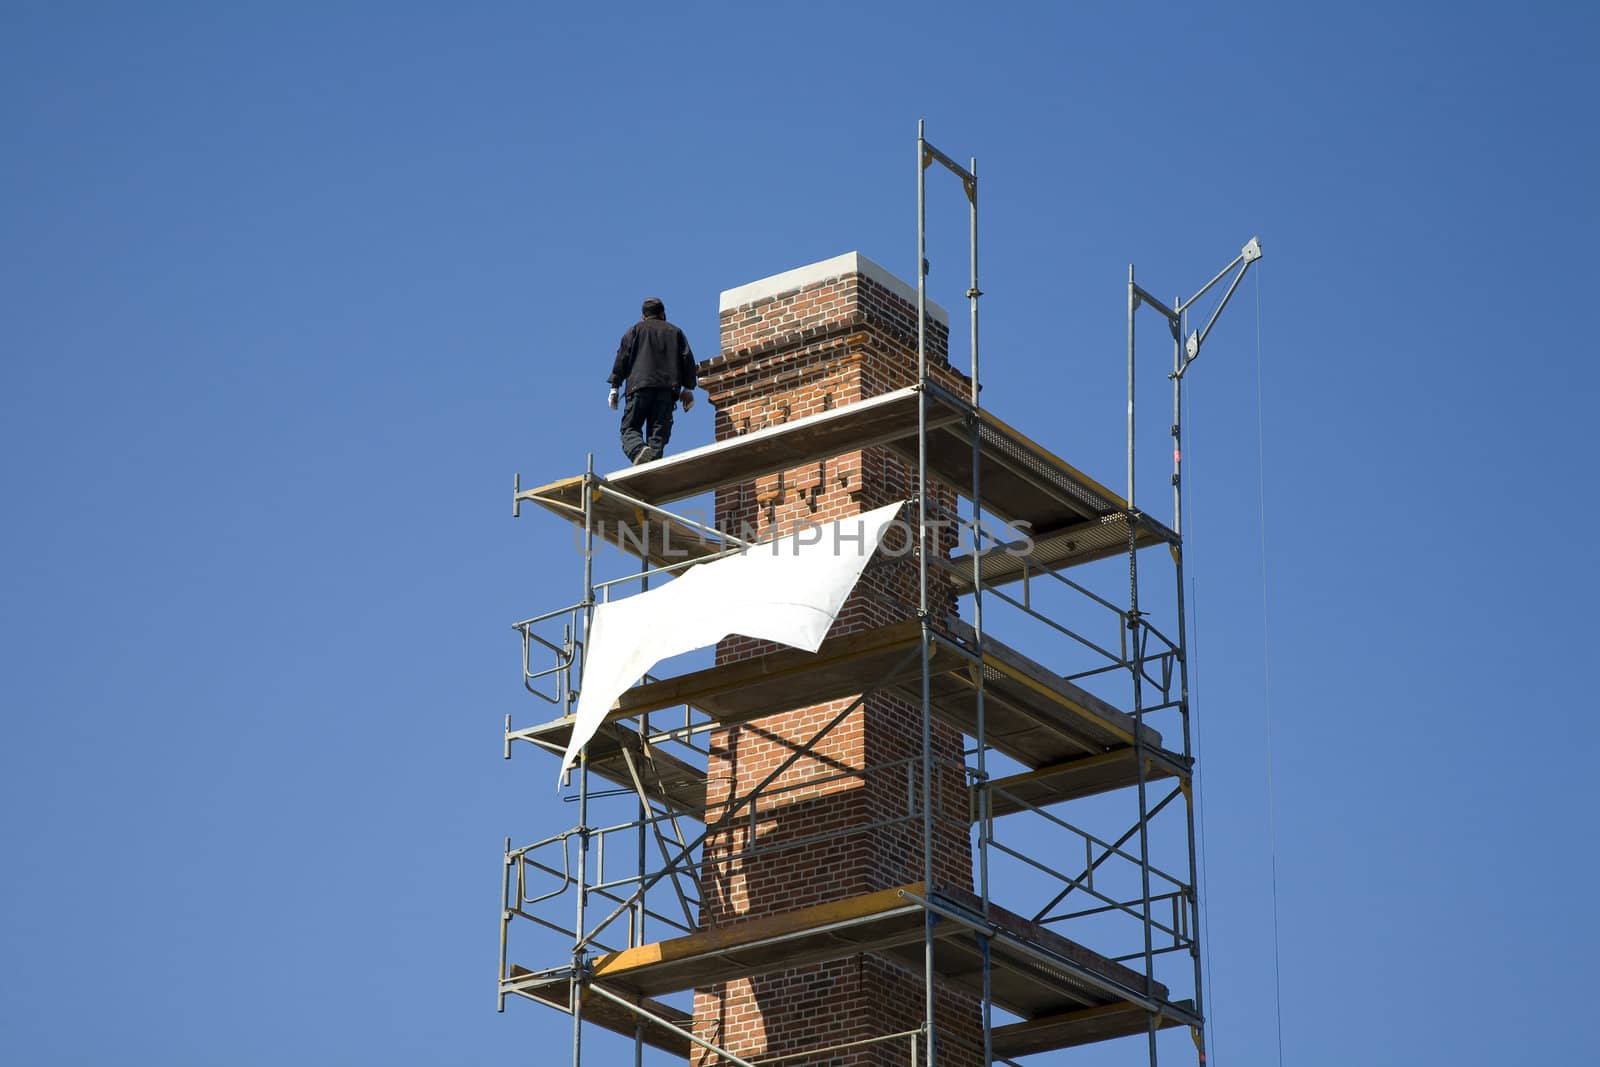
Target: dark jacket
point(653, 353)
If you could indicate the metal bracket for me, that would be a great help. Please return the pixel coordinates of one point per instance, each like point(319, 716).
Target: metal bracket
point(969, 180)
point(1247, 256)
point(1141, 296)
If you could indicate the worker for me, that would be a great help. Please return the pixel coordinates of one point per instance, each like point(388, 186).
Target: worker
point(653, 358)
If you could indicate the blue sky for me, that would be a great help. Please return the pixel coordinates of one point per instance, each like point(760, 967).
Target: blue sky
point(289, 293)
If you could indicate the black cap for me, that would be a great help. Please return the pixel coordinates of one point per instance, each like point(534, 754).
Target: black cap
point(653, 308)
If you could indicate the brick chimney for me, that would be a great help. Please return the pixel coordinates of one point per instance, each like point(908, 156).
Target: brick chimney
point(821, 336)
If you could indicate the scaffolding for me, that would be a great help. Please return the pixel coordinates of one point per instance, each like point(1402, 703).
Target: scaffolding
point(1096, 949)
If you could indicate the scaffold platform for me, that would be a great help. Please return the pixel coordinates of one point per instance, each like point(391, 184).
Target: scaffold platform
point(1065, 993)
point(1074, 743)
point(617, 750)
point(606, 1015)
point(1068, 517)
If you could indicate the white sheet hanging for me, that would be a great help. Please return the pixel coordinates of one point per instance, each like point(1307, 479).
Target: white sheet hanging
point(788, 590)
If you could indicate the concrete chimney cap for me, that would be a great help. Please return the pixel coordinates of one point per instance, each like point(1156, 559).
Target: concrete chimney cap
point(812, 274)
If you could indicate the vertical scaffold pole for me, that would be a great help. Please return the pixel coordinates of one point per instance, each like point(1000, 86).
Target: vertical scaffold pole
point(642, 858)
point(1183, 661)
point(1136, 665)
point(1135, 627)
point(583, 774)
point(922, 582)
point(984, 799)
point(505, 921)
point(973, 292)
point(1177, 425)
point(1133, 304)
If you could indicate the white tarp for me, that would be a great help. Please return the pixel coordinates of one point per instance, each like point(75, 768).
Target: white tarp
point(788, 590)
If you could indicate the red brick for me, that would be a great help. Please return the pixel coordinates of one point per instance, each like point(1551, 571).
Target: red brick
point(834, 342)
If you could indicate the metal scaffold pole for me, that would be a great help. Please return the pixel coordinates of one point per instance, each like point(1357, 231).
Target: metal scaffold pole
point(579, 954)
point(1136, 667)
point(1186, 349)
point(642, 853)
point(1133, 305)
point(1184, 708)
point(985, 798)
point(927, 155)
point(922, 585)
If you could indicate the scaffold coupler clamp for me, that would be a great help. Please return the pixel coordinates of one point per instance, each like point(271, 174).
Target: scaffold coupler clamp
point(582, 975)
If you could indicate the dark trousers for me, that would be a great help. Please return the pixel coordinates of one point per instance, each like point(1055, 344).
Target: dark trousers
point(647, 417)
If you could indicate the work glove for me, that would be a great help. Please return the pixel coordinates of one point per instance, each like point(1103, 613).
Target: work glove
point(687, 397)
point(611, 400)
